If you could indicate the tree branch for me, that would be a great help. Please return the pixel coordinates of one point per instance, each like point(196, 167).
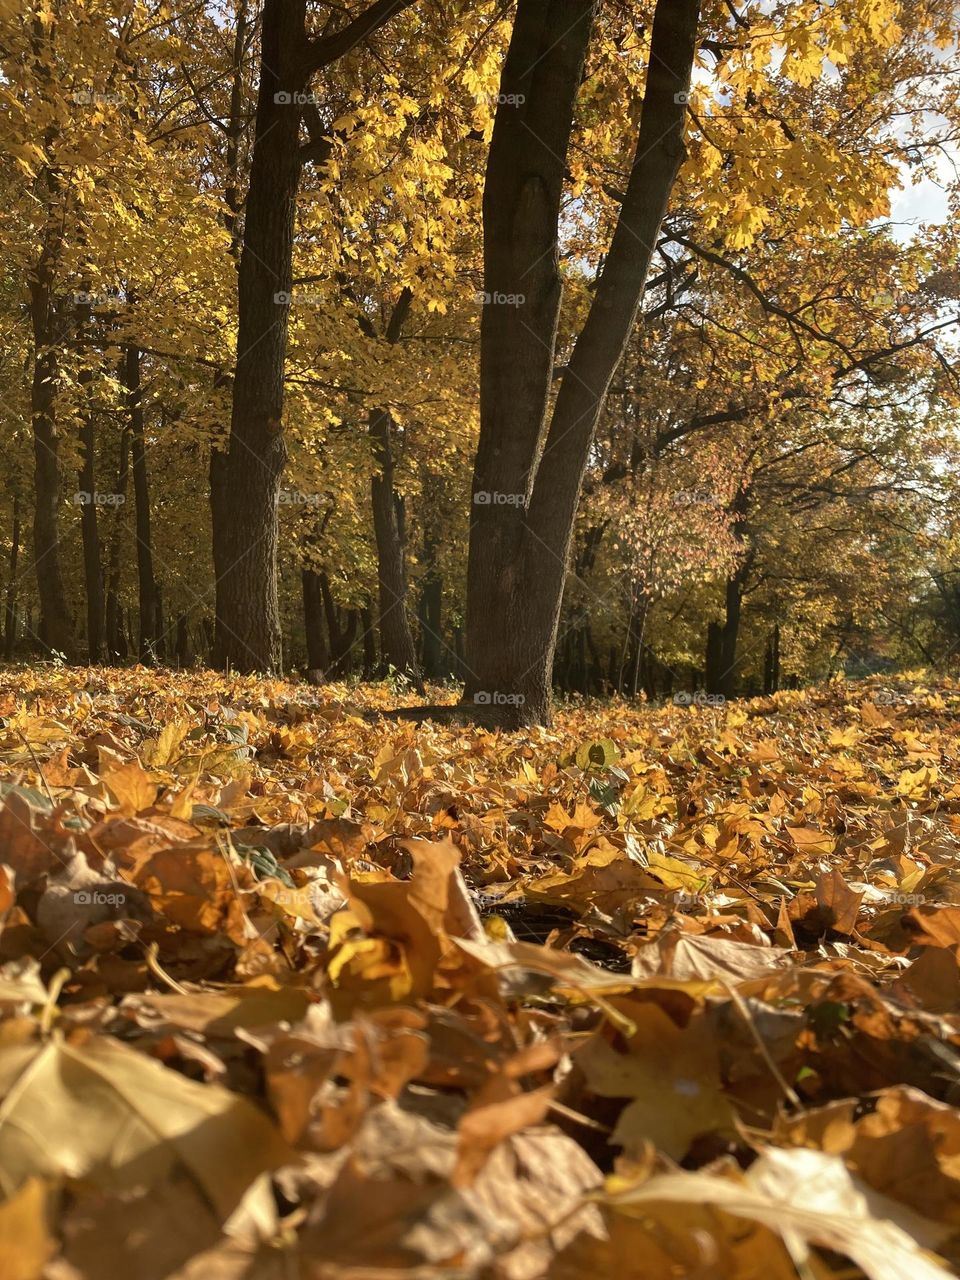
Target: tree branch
point(325, 50)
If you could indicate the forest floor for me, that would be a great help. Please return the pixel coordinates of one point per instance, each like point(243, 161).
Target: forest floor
point(290, 991)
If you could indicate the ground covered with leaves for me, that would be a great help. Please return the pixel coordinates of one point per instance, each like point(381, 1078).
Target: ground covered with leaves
point(290, 990)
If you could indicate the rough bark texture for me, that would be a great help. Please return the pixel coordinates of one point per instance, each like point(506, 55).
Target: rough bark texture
point(148, 595)
point(526, 489)
point(56, 624)
point(248, 624)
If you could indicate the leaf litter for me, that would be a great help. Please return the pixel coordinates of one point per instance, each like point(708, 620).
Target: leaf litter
point(288, 989)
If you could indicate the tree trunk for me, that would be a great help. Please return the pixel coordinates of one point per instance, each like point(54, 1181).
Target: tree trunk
point(526, 491)
point(341, 637)
point(248, 619)
point(90, 531)
point(148, 598)
point(369, 643)
point(431, 621)
point(729, 637)
point(771, 662)
point(714, 657)
point(185, 654)
point(56, 625)
point(317, 656)
point(397, 648)
point(116, 638)
point(10, 612)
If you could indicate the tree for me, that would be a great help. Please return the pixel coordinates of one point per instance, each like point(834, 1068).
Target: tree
point(527, 479)
point(247, 617)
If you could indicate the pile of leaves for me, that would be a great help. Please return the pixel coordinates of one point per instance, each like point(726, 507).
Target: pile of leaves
point(290, 989)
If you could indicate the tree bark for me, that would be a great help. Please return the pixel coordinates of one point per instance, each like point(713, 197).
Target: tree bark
point(56, 624)
point(116, 637)
point(90, 532)
point(341, 637)
point(526, 490)
point(10, 611)
point(248, 622)
point(148, 597)
point(317, 656)
point(397, 649)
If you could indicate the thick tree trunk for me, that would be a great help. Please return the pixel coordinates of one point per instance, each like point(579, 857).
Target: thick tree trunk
point(56, 625)
point(521, 309)
point(148, 596)
point(10, 612)
point(116, 637)
point(526, 490)
point(248, 621)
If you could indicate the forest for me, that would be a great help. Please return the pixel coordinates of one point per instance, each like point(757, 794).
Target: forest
point(480, 646)
point(357, 346)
